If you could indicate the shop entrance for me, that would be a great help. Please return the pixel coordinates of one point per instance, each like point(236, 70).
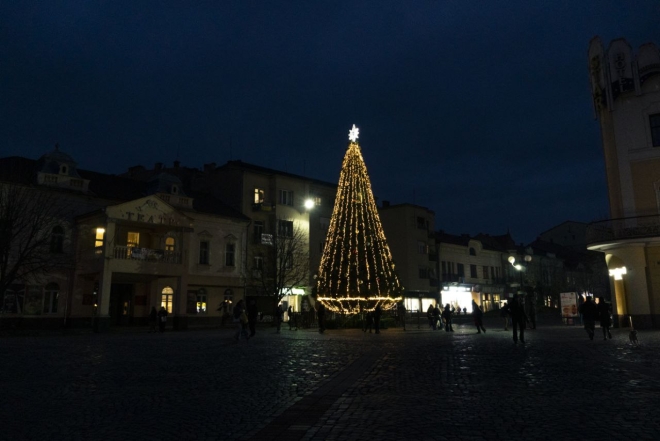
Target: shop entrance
point(121, 304)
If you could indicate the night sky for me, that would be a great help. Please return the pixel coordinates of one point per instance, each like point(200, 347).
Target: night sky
point(480, 111)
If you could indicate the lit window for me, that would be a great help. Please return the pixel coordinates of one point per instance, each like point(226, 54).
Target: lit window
point(98, 243)
point(57, 240)
point(133, 239)
point(169, 244)
point(317, 201)
point(204, 247)
point(259, 195)
point(654, 120)
point(230, 254)
point(201, 301)
point(166, 297)
point(286, 197)
point(51, 296)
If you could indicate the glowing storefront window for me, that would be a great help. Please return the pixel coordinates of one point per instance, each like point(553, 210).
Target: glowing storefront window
point(458, 297)
point(166, 299)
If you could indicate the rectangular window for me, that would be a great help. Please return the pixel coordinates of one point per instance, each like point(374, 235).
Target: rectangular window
point(492, 272)
point(98, 238)
point(201, 303)
point(473, 271)
point(422, 248)
point(654, 120)
point(288, 262)
point(423, 273)
point(421, 223)
point(169, 244)
point(204, 247)
point(485, 272)
point(286, 197)
point(230, 251)
point(166, 302)
point(51, 297)
point(258, 262)
point(259, 195)
point(133, 239)
point(461, 270)
point(285, 228)
point(258, 231)
point(317, 201)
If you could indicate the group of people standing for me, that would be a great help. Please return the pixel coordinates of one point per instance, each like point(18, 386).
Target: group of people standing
point(590, 312)
point(437, 318)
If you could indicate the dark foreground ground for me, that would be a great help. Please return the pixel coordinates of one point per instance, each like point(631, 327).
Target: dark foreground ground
point(343, 385)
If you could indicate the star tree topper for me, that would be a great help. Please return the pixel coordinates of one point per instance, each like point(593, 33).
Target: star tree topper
point(353, 133)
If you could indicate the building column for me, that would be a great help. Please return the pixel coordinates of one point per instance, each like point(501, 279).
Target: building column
point(631, 292)
point(102, 318)
point(180, 307)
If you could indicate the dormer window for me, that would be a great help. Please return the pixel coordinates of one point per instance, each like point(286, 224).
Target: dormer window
point(64, 169)
point(175, 189)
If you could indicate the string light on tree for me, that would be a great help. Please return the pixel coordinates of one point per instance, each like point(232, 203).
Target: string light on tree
point(356, 271)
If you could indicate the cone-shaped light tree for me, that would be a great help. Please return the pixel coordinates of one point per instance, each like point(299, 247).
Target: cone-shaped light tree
point(357, 270)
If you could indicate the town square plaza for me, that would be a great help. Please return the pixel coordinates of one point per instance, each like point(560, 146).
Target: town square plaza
point(418, 384)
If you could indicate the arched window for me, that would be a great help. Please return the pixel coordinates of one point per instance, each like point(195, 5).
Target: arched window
point(57, 240)
point(51, 297)
point(175, 189)
point(64, 169)
point(166, 297)
point(472, 252)
point(169, 244)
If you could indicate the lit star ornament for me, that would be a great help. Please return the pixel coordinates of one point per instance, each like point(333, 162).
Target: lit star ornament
point(353, 133)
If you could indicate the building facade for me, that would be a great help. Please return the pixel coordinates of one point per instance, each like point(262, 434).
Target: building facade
point(409, 230)
point(626, 95)
point(129, 246)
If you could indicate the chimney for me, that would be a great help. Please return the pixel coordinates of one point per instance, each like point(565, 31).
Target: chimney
point(176, 164)
point(158, 166)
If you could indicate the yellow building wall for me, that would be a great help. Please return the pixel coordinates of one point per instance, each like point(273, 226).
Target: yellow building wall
point(644, 174)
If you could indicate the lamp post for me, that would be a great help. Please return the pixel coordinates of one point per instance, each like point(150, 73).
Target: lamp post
point(520, 267)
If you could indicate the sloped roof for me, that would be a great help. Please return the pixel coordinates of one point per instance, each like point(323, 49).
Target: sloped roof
point(259, 169)
point(114, 188)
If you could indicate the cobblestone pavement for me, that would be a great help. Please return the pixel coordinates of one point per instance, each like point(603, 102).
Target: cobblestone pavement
point(343, 385)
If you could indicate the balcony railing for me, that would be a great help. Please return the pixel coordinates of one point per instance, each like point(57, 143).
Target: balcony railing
point(147, 254)
point(263, 206)
point(623, 228)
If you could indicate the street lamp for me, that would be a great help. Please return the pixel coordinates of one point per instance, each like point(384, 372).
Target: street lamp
point(309, 204)
point(520, 267)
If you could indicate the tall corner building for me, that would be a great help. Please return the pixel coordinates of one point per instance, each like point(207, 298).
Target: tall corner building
point(625, 86)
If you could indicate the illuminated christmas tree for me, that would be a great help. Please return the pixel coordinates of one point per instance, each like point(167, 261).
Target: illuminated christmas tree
point(356, 271)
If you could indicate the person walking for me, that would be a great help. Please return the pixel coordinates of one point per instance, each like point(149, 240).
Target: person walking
point(240, 320)
point(446, 315)
point(377, 313)
point(531, 310)
point(437, 323)
point(279, 317)
point(153, 319)
point(518, 318)
point(429, 315)
point(320, 315)
point(505, 313)
point(162, 319)
point(604, 311)
point(252, 316)
point(589, 313)
point(478, 315)
point(401, 313)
